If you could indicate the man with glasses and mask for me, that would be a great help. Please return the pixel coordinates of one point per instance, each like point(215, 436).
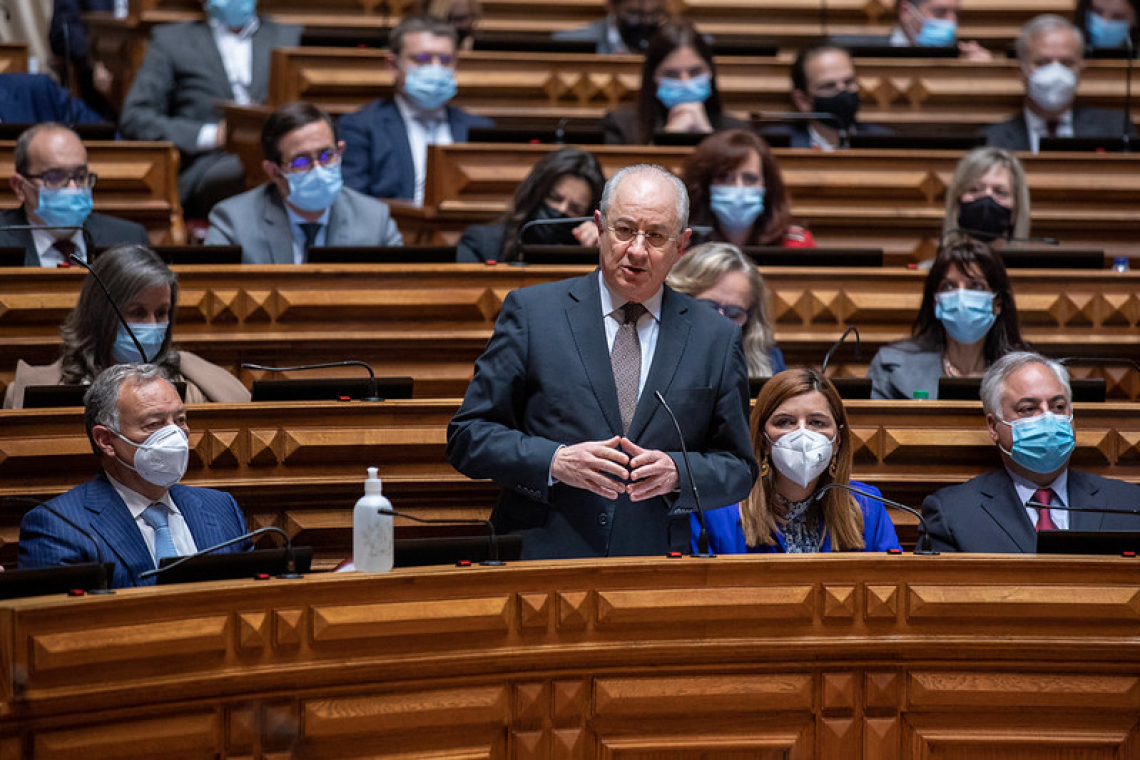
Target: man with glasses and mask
point(134, 508)
point(387, 140)
point(562, 411)
point(54, 187)
point(1029, 414)
point(304, 203)
point(627, 28)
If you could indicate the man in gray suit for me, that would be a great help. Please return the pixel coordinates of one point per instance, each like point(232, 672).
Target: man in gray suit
point(563, 410)
point(1028, 405)
point(189, 70)
point(1051, 52)
point(305, 202)
point(627, 28)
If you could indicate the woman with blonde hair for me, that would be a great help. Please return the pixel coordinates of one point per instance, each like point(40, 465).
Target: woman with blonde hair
point(802, 440)
point(988, 197)
point(722, 277)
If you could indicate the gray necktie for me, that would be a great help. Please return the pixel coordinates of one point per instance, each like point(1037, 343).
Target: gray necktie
point(626, 361)
point(155, 516)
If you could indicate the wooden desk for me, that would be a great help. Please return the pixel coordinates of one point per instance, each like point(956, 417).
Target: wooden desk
point(137, 181)
point(13, 57)
point(876, 657)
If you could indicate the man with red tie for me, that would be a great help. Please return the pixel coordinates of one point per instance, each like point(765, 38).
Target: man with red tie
point(1029, 413)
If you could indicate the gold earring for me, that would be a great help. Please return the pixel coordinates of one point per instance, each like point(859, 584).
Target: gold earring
point(764, 468)
point(834, 466)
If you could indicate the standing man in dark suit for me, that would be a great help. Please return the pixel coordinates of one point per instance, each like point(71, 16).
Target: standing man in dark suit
point(1051, 52)
point(386, 141)
point(54, 188)
point(562, 410)
point(189, 70)
point(627, 27)
point(134, 508)
point(304, 203)
point(1028, 405)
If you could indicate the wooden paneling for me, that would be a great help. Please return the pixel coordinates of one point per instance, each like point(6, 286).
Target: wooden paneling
point(525, 662)
point(13, 57)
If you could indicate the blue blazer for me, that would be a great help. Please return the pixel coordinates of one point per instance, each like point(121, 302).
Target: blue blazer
point(545, 380)
point(726, 536)
point(47, 541)
point(35, 98)
point(377, 157)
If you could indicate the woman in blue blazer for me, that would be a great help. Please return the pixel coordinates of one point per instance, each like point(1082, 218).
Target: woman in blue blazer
point(803, 443)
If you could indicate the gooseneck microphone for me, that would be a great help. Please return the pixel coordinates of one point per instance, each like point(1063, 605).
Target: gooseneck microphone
point(835, 347)
point(703, 536)
point(982, 234)
point(103, 581)
point(924, 545)
point(1092, 510)
point(1126, 135)
point(804, 117)
point(492, 540)
point(373, 389)
point(575, 220)
point(290, 557)
point(111, 300)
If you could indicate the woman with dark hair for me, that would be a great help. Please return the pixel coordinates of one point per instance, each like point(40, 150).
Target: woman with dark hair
point(562, 185)
point(146, 291)
point(736, 188)
point(802, 440)
point(1107, 24)
point(966, 322)
point(678, 91)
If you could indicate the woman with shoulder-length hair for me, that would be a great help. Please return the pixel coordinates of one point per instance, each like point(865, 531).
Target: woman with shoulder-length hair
point(802, 440)
point(146, 291)
point(988, 197)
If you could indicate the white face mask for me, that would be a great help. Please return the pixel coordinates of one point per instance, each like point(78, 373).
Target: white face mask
point(162, 458)
point(1052, 87)
point(802, 455)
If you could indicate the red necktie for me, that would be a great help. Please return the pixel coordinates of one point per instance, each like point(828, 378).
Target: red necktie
point(1044, 520)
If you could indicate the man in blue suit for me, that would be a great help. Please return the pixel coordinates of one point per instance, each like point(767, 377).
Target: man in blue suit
point(562, 411)
point(386, 141)
point(36, 98)
point(134, 509)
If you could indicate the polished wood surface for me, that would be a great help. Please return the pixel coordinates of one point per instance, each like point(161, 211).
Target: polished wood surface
point(137, 181)
point(837, 657)
point(13, 57)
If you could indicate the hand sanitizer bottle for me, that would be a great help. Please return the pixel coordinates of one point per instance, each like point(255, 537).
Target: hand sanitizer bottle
point(372, 550)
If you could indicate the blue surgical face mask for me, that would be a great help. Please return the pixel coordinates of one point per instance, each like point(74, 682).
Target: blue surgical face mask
point(1104, 33)
point(315, 189)
point(736, 207)
point(233, 13)
point(967, 315)
point(150, 335)
point(937, 32)
point(430, 86)
point(673, 92)
point(1042, 444)
point(66, 207)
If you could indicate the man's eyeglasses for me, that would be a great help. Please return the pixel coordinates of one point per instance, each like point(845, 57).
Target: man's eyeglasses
point(423, 59)
point(735, 313)
point(57, 179)
point(327, 157)
point(624, 234)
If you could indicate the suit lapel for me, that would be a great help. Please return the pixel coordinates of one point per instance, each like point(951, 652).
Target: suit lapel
point(112, 521)
point(457, 121)
point(262, 49)
point(999, 500)
point(24, 238)
point(212, 57)
point(198, 519)
point(586, 322)
point(1083, 492)
point(278, 234)
point(393, 130)
point(672, 335)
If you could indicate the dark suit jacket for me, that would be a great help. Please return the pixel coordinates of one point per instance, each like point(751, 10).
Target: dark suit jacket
point(377, 157)
point(545, 380)
point(985, 515)
point(800, 137)
point(480, 243)
point(100, 230)
point(35, 98)
point(620, 125)
point(1013, 134)
point(47, 541)
point(67, 15)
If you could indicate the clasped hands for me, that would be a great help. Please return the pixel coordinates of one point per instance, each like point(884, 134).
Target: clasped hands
point(617, 466)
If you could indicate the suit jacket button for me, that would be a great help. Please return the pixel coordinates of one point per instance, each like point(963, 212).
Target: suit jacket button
point(603, 519)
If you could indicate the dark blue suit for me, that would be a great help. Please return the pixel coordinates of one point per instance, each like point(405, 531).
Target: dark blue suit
point(35, 98)
point(545, 380)
point(377, 157)
point(47, 541)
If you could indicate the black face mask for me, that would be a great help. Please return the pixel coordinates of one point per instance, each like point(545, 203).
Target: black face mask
point(843, 106)
point(985, 219)
point(636, 35)
point(550, 234)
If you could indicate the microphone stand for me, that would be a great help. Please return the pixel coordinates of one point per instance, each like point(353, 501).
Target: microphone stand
point(115, 306)
point(923, 547)
point(373, 389)
point(290, 558)
point(835, 347)
point(492, 540)
point(1127, 131)
point(703, 536)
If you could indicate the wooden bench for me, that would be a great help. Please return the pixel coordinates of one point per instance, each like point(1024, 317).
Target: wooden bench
point(13, 57)
point(137, 181)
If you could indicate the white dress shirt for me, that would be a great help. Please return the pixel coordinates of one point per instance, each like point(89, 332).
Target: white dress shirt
point(647, 327)
point(424, 128)
point(236, 50)
point(1039, 127)
point(1025, 490)
point(51, 257)
point(137, 504)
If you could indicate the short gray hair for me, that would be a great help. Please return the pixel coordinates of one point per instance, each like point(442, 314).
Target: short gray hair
point(682, 194)
point(101, 402)
point(993, 383)
point(1046, 22)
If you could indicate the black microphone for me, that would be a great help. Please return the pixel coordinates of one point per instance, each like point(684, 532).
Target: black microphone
point(492, 540)
point(835, 347)
point(290, 556)
point(982, 235)
point(575, 220)
point(1093, 510)
point(103, 580)
point(88, 241)
point(373, 389)
point(114, 306)
point(560, 131)
point(924, 545)
point(703, 536)
point(1126, 137)
point(804, 117)
point(1086, 360)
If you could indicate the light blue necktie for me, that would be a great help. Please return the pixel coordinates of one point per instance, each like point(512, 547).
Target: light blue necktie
point(155, 516)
